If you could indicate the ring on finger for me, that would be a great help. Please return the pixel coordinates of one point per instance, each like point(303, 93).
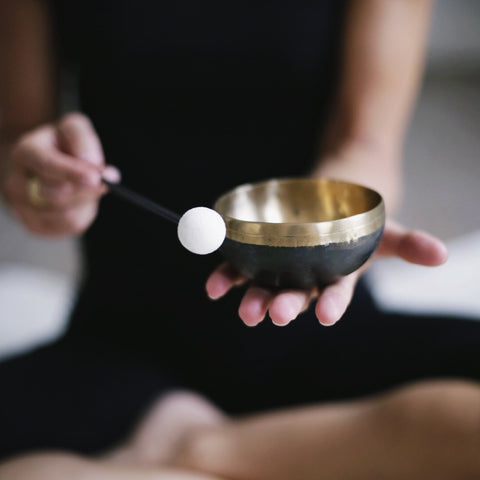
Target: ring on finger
point(34, 192)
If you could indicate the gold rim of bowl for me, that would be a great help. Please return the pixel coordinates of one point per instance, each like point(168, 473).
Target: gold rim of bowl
point(300, 212)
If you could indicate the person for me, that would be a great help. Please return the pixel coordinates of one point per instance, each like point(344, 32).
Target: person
point(187, 101)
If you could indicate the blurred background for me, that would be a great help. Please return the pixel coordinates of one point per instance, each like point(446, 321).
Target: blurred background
point(38, 277)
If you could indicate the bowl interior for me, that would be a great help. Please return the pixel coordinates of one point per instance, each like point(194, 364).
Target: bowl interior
point(300, 212)
point(300, 200)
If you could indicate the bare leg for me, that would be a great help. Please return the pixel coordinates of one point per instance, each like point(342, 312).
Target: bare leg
point(427, 430)
point(171, 418)
point(62, 466)
point(160, 433)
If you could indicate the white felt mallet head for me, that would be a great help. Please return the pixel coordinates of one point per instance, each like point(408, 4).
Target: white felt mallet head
point(201, 230)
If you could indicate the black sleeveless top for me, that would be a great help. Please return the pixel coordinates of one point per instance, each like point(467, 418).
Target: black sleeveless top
point(189, 99)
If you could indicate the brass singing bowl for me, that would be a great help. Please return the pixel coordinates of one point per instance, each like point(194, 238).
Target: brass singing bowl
point(300, 232)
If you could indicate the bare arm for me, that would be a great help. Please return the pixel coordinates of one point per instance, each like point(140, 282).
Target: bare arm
point(383, 57)
point(381, 69)
point(26, 67)
point(49, 170)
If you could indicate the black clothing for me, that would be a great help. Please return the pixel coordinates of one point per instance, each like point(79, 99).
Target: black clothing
point(87, 397)
point(191, 99)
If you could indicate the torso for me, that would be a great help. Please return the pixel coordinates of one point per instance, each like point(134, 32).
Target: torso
point(189, 100)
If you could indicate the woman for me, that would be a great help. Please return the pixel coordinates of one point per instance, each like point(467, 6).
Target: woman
point(188, 101)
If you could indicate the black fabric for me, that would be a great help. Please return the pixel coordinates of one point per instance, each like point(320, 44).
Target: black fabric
point(78, 398)
point(86, 396)
point(189, 100)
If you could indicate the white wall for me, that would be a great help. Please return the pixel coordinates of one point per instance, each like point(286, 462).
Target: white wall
point(455, 36)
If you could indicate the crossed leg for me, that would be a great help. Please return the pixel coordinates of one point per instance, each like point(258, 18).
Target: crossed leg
point(424, 430)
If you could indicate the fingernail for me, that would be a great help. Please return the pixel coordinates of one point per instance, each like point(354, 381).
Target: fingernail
point(294, 310)
point(289, 310)
point(288, 316)
point(252, 324)
point(112, 174)
point(214, 296)
point(332, 313)
point(250, 321)
point(283, 323)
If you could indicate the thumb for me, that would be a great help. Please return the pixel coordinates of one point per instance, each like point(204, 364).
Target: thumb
point(77, 137)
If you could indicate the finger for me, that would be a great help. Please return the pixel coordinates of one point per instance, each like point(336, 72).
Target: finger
point(55, 195)
point(73, 221)
point(48, 163)
point(254, 305)
point(111, 174)
point(334, 300)
point(78, 138)
point(391, 237)
point(14, 187)
point(65, 195)
point(287, 305)
point(423, 249)
point(413, 246)
point(225, 277)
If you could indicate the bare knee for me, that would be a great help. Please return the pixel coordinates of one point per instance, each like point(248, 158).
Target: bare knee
point(206, 450)
point(452, 405)
point(434, 423)
point(46, 465)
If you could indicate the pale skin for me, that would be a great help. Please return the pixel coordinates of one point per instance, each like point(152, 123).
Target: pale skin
point(424, 430)
point(363, 144)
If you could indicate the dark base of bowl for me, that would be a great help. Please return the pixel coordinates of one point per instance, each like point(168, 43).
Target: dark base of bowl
point(300, 267)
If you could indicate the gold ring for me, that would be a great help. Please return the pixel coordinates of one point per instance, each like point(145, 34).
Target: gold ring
point(33, 192)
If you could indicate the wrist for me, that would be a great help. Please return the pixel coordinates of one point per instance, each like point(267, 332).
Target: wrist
point(374, 166)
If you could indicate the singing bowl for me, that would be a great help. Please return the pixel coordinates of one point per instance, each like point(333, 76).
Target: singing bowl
point(300, 232)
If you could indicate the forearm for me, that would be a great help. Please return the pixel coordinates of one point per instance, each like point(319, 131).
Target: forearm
point(27, 72)
point(382, 64)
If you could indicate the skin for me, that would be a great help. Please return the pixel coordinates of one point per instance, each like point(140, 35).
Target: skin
point(363, 144)
point(424, 430)
point(65, 154)
point(63, 466)
point(68, 158)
